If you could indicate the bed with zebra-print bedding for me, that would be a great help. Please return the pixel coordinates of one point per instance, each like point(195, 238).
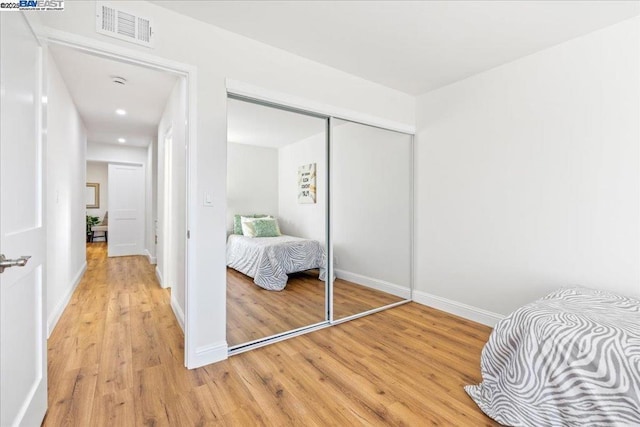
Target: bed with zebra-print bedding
point(268, 260)
point(571, 358)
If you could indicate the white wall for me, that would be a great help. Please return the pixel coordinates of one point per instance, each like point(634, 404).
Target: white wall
point(252, 181)
point(371, 206)
point(98, 172)
point(65, 189)
point(528, 176)
point(171, 261)
point(295, 219)
point(217, 55)
point(113, 153)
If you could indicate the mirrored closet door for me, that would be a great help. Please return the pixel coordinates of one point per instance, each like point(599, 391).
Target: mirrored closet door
point(276, 222)
point(370, 217)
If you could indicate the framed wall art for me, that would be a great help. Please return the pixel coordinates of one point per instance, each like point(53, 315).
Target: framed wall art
point(307, 184)
point(92, 195)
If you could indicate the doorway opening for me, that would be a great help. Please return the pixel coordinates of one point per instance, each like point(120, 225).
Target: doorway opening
point(134, 115)
point(97, 196)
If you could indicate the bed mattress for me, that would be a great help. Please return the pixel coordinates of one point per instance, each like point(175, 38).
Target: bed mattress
point(569, 359)
point(268, 260)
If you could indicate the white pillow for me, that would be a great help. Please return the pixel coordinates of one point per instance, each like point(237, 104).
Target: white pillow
point(247, 226)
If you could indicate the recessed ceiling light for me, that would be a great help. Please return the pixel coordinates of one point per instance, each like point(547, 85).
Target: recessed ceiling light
point(120, 112)
point(122, 140)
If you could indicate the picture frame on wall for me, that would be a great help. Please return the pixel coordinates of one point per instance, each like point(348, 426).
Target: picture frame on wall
point(92, 195)
point(307, 184)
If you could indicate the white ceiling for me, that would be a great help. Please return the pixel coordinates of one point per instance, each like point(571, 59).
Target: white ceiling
point(254, 124)
point(144, 97)
point(412, 46)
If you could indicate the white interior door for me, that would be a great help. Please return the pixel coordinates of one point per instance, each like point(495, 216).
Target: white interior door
point(126, 210)
point(23, 351)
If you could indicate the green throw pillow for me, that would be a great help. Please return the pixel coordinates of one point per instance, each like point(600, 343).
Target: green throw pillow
point(237, 222)
point(266, 227)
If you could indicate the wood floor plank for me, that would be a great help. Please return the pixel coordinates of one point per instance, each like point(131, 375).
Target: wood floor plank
point(113, 409)
point(116, 358)
point(145, 350)
point(300, 384)
point(76, 402)
point(153, 398)
point(279, 405)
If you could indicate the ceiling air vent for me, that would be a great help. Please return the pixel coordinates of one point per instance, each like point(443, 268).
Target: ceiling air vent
point(112, 20)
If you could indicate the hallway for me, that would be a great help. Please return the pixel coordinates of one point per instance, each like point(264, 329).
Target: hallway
point(116, 354)
point(116, 359)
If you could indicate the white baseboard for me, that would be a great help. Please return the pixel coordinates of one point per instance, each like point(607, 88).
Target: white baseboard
point(151, 258)
point(459, 309)
point(53, 318)
point(208, 354)
point(159, 276)
point(370, 282)
point(177, 311)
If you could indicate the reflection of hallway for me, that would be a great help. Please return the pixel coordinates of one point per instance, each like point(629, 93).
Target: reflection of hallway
point(116, 358)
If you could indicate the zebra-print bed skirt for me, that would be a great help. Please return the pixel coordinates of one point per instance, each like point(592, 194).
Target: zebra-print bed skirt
point(571, 358)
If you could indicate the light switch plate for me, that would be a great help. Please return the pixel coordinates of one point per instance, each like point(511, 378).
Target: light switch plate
point(208, 199)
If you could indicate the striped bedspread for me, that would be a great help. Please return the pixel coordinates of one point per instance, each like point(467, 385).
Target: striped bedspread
point(571, 358)
point(269, 259)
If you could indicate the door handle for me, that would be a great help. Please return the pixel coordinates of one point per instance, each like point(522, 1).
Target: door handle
point(6, 263)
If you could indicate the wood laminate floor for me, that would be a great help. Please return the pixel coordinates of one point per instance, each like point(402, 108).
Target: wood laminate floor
point(255, 313)
point(116, 359)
